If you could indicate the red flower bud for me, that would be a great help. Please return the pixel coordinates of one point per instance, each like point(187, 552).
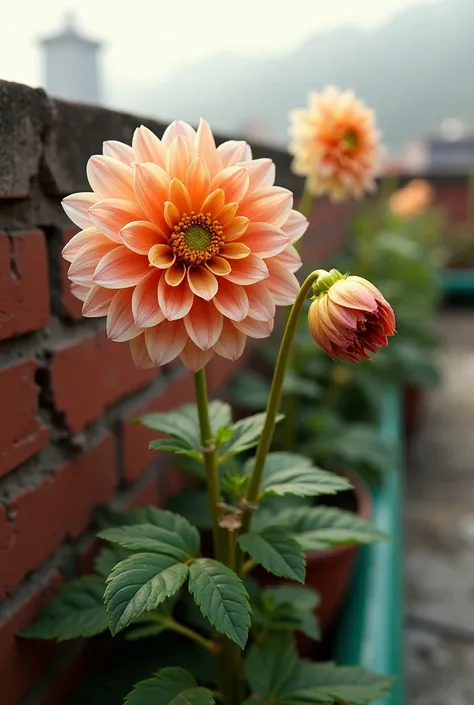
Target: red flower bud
point(349, 317)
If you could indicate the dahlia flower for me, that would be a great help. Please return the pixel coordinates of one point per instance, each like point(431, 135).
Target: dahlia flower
point(349, 317)
point(411, 200)
point(186, 247)
point(335, 144)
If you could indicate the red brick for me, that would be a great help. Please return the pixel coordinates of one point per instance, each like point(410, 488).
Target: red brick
point(59, 507)
point(147, 496)
point(21, 432)
point(173, 481)
point(22, 661)
point(89, 374)
point(24, 284)
point(454, 201)
point(71, 307)
point(87, 555)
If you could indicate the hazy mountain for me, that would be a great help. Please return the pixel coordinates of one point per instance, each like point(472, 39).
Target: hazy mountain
point(416, 71)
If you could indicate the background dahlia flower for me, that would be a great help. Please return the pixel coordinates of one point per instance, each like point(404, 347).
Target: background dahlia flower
point(411, 200)
point(335, 144)
point(186, 247)
point(349, 318)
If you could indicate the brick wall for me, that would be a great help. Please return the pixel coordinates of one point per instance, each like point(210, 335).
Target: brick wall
point(66, 392)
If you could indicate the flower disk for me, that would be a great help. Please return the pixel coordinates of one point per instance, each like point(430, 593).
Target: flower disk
point(350, 318)
point(335, 144)
point(186, 247)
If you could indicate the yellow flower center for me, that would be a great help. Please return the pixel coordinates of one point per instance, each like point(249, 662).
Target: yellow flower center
point(196, 238)
point(350, 139)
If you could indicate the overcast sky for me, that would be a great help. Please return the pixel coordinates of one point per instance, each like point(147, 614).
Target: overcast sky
point(148, 39)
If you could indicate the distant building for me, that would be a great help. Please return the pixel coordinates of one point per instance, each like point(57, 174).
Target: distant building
point(449, 150)
point(70, 65)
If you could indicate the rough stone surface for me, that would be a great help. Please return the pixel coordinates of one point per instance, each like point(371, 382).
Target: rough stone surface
point(440, 530)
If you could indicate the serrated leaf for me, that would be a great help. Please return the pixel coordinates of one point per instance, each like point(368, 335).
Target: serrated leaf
point(245, 434)
point(290, 474)
point(180, 423)
point(141, 583)
point(222, 598)
point(277, 551)
point(148, 537)
point(326, 682)
point(170, 686)
point(319, 528)
point(175, 446)
point(286, 607)
point(108, 559)
point(77, 611)
point(270, 665)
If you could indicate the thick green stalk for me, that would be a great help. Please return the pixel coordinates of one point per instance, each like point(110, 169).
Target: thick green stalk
point(208, 644)
point(210, 458)
point(275, 393)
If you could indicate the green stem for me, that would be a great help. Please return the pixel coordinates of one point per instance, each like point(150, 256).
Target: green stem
point(174, 626)
point(210, 458)
point(306, 200)
point(247, 567)
point(275, 393)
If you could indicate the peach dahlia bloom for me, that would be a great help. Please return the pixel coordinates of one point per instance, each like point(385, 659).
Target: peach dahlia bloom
point(335, 144)
point(349, 317)
point(411, 200)
point(186, 247)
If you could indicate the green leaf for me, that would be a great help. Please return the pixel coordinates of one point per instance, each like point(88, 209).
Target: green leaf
point(288, 608)
point(108, 559)
point(319, 528)
point(222, 597)
point(245, 434)
point(326, 682)
point(180, 423)
point(107, 517)
point(193, 505)
point(220, 416)
point(148, 537)
point(170, 686)
point(176, 446)
point(287, 473)
point(141, 583)
point(277, 551)
point(269, 666)
point(77, 611)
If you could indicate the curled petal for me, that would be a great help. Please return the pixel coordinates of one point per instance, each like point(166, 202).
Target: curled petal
point(227, 213)
point(268, 205)
point(97, 302)
point(180, 155)
point(265, 240)
point(80, 292)
point(234, 181)
point(148, 148)
point(112, 214)
point(295, 226)
point(172, 214)
point(214, 202)
point(197, 182)
point(235, 250)
point(255, 329)
point(139, 352)
point(145, 307)
point(282, 284)
point(289, 259)
point(175, 274)
point(110, 178)
point(140, 236)
point(118, 150)
point(194, 358)
point(202, 282)
point(261, 304)
point(261, 173)
point(85, 238)
point(179, 196)
point(175, 301)
point(82, 269)
point(77, 207)
point(178, 128)
point(120, 322)
point(235, 227)
point(120, 268)
point(151, 187)
point(165, 341)
point(206, 147)
point(161, 256)
point(246, 271)
point(352, 295)
point(203, 324)
point(231, 300)
point(233, 152)
point(218, 266)
point(231, 342)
